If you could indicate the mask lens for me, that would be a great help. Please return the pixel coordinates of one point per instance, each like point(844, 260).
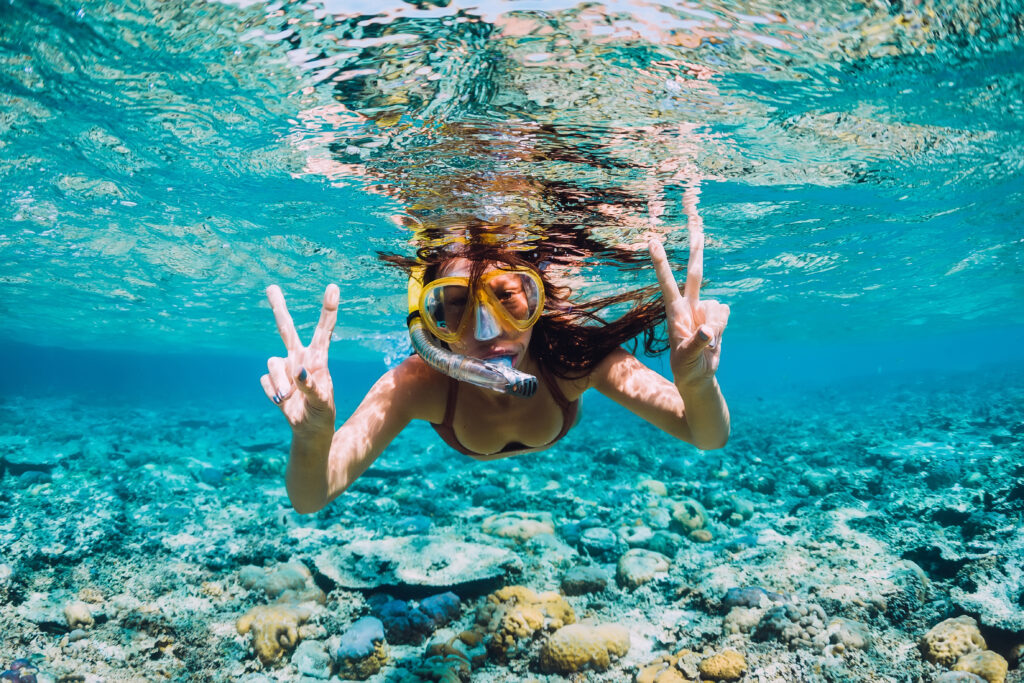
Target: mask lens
point(445, 306)
point(518, 294)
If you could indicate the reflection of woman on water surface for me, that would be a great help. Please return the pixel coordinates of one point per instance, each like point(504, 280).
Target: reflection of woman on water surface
point(502, 360)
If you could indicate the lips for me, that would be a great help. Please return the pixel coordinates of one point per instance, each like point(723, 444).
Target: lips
point(500, 353)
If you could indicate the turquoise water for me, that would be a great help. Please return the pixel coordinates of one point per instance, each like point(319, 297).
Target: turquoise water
point(859, 171)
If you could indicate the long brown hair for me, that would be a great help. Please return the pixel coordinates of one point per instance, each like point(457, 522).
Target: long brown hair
point(571, 337)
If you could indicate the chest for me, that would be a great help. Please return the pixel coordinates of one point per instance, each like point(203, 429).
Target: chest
point(481, 427)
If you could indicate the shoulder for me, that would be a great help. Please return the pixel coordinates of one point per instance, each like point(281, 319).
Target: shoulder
point(612, 369)
point(418, 389)
point(574, 387)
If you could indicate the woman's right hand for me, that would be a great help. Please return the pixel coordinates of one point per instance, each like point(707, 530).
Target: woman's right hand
point(300, 383)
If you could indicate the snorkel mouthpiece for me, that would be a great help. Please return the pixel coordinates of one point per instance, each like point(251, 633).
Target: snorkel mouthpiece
point(517, 383)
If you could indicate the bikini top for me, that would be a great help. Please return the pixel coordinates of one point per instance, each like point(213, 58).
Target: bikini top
point(447, 432)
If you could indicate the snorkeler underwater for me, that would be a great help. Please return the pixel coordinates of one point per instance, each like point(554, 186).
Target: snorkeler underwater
point(488, 341)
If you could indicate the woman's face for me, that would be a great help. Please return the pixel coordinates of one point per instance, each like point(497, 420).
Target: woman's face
point(487, 335)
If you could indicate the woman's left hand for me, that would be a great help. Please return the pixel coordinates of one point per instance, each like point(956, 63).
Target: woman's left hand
point(695, 327)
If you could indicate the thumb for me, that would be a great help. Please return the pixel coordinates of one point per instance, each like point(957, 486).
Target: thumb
point(304, 382)
point(703, 337)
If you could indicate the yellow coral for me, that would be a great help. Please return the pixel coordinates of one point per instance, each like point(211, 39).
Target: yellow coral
point(665, 670)
point(513, 613)
point(728, 665)
point(949, 640)
point(989, 665)
point(578, 646)
point(274, 628)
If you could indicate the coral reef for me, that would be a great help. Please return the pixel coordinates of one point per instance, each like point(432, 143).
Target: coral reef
point(362, 650)
point(638, 566)
point(513, 614)
point(727, 665)
point(165, 583)
point(681, 667)
point(796, 625)
point(78, 615)
point(405, 622)
point(518, 526)
point(984, 663)
point(579, 647)
point(452, 660)
point(274, 629)
point(689, 515)
point(421, 560)
point(583, 580)
point(286, 582)
point(951, 639)
point(21, 670)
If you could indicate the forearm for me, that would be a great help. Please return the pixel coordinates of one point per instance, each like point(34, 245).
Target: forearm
point(707, 415)
point(307, 478)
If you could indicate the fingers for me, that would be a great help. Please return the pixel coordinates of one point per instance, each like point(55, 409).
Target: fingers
point(328, 318)
point(285, 326)
point(716, 317)
point(305, 383)
point(675, 305)
point(280, 384)
point(695, 266)
point(268, 389)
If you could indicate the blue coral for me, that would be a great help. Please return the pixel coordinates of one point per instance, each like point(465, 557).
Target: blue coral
point(749, 596)
point(21, 671)
point(409, 625)
point(441, 608)
point(404, 624)
point(360, 639)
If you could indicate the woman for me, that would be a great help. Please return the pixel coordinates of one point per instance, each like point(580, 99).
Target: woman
point(499, 318)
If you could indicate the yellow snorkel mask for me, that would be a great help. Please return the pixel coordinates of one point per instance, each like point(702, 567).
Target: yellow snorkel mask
point(443, 308)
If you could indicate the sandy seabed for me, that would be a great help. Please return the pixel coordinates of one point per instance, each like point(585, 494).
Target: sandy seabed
point(847, 523)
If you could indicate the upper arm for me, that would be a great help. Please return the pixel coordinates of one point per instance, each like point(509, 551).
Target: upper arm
point(624, 379)
point(401, 395)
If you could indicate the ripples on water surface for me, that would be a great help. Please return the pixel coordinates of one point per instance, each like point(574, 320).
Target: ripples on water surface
point(858, 165)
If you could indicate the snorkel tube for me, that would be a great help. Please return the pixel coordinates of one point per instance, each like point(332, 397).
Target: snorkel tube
point(500, 377)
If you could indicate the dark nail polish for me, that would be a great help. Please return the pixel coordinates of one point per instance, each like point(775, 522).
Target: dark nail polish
point(275, 398)
point(302, 375)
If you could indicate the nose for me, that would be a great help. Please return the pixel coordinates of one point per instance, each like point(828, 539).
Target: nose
point(485, 326)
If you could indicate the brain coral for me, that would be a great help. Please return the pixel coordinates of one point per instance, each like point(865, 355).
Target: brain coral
point(951, 639)
point(577, 647)
point(989, 665)
point(728, 665)
point(274, 629)
point(514, 613)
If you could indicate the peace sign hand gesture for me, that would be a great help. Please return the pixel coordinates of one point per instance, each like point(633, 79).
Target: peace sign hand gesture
point(695, 327)
point(300, 384)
